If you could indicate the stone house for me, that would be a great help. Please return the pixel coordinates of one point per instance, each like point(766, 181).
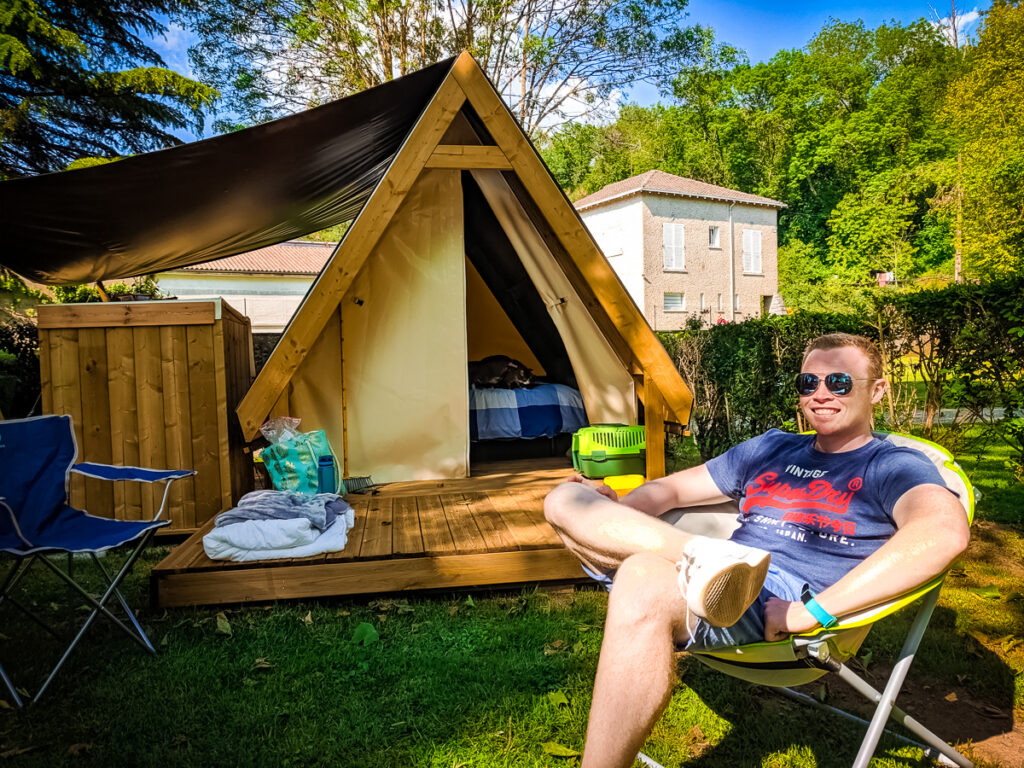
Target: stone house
point(684, 247)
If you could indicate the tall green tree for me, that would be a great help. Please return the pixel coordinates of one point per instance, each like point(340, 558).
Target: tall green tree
point(549, 58)
point(985, 189)
point(77, 80)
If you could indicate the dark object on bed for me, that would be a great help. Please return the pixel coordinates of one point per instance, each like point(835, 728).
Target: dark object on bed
point(500, 371)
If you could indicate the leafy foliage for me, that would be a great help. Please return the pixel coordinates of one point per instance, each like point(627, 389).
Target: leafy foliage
point(19, 364)
point(82, 294)
point(76, 80)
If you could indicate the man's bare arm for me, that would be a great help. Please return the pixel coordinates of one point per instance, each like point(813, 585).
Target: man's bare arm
point(932, 532)
point(691, 487)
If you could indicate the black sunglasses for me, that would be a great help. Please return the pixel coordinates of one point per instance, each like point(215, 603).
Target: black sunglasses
point(837, 383)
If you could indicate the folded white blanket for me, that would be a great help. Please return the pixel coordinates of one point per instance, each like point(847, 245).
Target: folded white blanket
point(276, 539)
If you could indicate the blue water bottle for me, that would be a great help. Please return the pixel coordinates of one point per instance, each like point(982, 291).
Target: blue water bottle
point(325, 474)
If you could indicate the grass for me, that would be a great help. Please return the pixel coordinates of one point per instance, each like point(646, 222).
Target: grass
point(485, 680)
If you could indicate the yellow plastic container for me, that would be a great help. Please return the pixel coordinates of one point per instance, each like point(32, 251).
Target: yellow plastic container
point(623, 484)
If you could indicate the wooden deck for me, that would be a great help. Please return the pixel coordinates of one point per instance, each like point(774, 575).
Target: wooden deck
point(485, 530)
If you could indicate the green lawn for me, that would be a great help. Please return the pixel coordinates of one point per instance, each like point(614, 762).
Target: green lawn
point(491, 680)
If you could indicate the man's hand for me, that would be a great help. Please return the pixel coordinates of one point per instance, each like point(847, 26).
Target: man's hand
point(598, 486)
point(783, 618)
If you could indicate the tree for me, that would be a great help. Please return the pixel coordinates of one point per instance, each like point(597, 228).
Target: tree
point(983, 110)
point(76, 80)
point(549, 58)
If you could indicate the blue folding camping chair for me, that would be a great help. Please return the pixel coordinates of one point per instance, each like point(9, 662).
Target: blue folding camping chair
point(36, 457)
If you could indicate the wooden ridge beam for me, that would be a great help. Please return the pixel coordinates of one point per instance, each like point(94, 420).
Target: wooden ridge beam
point(467, 156)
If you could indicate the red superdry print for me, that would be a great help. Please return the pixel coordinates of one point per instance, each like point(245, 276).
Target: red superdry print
point(767, 491)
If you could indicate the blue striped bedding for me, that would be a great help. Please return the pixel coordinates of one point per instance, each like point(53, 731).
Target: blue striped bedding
point(543, 411)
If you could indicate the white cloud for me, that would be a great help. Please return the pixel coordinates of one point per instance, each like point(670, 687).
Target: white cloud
point(965, 22)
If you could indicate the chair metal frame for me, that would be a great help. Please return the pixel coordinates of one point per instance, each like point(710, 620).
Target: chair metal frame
point(24, 561)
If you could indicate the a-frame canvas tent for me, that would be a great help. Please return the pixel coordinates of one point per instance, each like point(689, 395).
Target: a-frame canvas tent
point(466, 247)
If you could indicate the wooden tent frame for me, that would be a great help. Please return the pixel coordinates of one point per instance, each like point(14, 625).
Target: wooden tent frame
point(664, 395)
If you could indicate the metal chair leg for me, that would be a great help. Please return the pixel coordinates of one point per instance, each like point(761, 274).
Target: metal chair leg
point(11, 689)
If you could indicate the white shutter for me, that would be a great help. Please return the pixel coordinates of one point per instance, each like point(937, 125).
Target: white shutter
point(674, 302)
point(672, 243)
point(752, 251)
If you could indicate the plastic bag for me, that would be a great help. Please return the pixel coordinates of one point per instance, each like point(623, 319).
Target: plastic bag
point(280, 429)
point(292, 462)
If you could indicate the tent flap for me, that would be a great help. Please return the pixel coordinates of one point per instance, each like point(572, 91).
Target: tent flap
point(212, 198)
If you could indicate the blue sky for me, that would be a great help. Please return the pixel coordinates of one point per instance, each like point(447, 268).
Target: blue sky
point(759, 28)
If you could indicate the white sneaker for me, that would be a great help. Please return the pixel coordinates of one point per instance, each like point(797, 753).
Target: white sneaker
point(720, 579)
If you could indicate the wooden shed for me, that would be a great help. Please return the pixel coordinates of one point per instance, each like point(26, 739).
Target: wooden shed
point(151, 384)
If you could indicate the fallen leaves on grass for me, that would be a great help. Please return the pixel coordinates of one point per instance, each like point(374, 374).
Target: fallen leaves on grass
point(365, 634)
point(552, 648)
point(15, 752)
point(223, 625)
point(308, 619)
point(951, 696)
point(76, 749)
point(555, 749)
point(261, 663)
point(989, 592)
point(558, 699)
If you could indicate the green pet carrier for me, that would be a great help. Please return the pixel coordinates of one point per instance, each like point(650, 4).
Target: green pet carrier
point(601, 450)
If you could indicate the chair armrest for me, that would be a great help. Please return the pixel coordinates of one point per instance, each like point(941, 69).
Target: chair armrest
point(139, 474)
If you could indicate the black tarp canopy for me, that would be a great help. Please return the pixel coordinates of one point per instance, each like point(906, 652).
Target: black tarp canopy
point(212, 198)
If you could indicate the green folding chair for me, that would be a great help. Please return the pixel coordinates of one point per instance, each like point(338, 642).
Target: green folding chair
point(805, 658)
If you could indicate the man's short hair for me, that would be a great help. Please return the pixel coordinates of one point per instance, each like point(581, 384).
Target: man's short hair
point(837, 340)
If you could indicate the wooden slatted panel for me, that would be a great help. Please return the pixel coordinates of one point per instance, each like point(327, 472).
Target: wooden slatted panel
point(495, 533)
point(221, 414)
point(205, 440)
point(45, 378)
point(149, 390)
point(177, 424)
point(377, 533)
point(123, 315)
point(523, 526)
point(465, 533)
point(437, 538)
point(67, 397)
point(95, 446)
point(408, 540)
point(124, 446)
point(360, 507)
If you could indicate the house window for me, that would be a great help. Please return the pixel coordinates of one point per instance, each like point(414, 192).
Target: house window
point(674, 302)
point(672, 240)
point(713, 238)
point(719, 302)
point(735, 302)
point(752, 251)
point(703, 306)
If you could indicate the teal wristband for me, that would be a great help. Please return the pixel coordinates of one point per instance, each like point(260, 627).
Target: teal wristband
point(823, 617)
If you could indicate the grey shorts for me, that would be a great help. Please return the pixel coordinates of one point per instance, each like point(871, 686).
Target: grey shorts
point(750, 627)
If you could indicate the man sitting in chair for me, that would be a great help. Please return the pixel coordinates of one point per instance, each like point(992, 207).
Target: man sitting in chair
point(830, 523)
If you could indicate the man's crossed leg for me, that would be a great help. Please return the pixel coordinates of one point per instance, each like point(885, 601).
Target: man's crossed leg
point(654, 565)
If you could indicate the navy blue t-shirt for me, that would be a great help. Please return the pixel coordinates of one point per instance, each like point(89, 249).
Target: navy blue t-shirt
point(819, 514)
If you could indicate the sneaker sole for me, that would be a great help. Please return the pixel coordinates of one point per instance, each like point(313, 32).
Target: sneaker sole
point(731, 591)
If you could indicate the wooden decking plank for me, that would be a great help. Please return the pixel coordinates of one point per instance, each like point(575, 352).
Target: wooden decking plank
point(360, 506)
point(407, 538)
point(367, 577)
point(492, 527)
point(437, 538)
point(518, 510)
point(464, 530)
point(377, 532)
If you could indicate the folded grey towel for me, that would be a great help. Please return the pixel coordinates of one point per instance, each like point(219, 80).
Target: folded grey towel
point(320, 509)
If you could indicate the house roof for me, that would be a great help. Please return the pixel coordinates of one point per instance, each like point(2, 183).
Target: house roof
point(661, 183)
point(294, 257)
